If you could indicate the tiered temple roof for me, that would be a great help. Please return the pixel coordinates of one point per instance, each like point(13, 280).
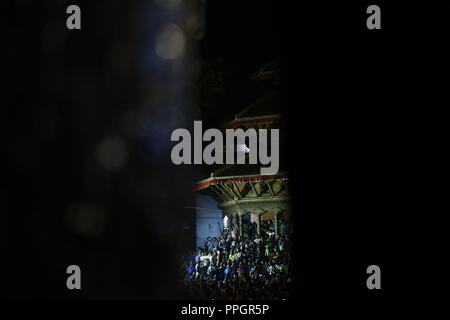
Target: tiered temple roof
point(240, 188)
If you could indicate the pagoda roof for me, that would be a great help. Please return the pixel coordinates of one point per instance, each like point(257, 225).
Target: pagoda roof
point(266, 109)
point(268, 71)
point(238, 178)
point(238, 172)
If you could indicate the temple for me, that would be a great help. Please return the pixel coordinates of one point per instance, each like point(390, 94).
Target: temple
point(242, 192)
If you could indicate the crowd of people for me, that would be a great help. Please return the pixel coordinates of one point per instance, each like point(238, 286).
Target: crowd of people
point(243, 266)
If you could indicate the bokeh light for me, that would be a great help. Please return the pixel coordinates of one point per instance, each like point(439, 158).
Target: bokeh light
point(85, 219)
point(170, 43)
point(112, 153)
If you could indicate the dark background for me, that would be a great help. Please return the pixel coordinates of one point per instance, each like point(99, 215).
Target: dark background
point(368, 144)
point(371, 131)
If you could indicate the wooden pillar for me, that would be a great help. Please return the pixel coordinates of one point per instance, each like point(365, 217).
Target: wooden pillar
point(258, 223)
point(234, 225)
point(275, 217)
point(240, 225)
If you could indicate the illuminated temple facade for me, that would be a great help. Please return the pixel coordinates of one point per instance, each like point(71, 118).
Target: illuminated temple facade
point(240, 190)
